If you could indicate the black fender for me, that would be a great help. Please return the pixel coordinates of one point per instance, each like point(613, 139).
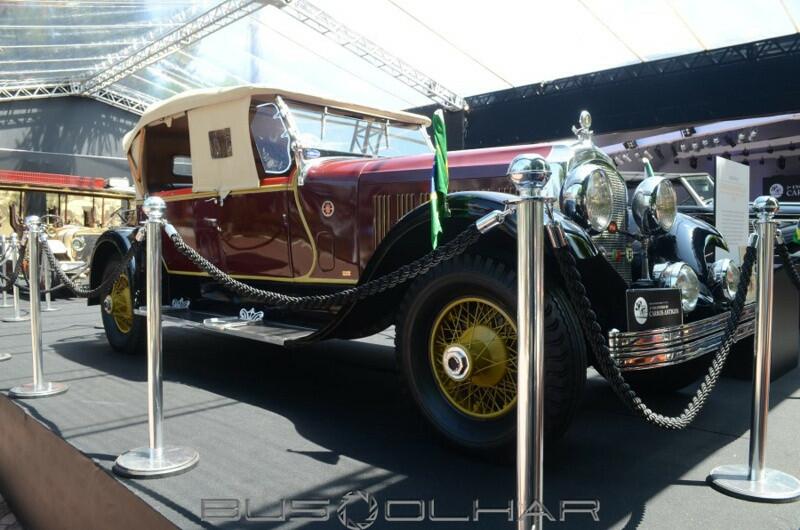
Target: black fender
point(112, 242)
point(409, 239)
point(689, 240)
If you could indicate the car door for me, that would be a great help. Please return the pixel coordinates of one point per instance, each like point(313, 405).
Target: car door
point(253, 224)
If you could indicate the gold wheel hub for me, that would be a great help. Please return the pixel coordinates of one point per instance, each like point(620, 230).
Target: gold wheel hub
point(473, 357)
point(118, 304)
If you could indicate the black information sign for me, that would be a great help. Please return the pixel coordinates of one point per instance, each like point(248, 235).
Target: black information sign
point(653, 308)
point(785, 188)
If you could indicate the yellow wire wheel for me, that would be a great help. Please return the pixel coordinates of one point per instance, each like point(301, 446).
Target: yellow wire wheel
point(473, 356)
point(121, 308)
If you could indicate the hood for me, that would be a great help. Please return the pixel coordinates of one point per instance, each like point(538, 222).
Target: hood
point(469, 163)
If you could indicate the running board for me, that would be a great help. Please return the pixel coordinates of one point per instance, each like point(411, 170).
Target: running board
point(259, 330)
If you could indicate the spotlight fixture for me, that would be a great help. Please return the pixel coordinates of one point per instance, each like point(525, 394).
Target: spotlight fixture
point(674, 151)
point(716, 141)
point(730, 141)
point(688, 132)
point(630, 144)
point(683, 148)
point(695, 146)
point(647, 154)
point(693, 162)
point(705, 142)
point(626, 158)
point(752, 135)
point(636, 154)
point(770, 149)
point(617, 160)
point(741, 137)
point(781, 163)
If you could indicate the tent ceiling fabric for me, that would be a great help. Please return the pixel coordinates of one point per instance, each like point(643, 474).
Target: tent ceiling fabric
point(467, 46)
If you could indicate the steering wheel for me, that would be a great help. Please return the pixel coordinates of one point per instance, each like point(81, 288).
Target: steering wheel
point(123, 214)
point(51, 221)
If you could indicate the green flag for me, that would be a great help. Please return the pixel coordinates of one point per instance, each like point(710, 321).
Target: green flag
point(648, 169)
point(796, 236)
point(440, 179)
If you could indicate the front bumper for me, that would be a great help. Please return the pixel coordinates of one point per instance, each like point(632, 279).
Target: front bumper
point(642, 350)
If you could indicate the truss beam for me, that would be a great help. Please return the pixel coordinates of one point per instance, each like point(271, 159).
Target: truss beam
point(130, 100)
point(324, 24)
point(135, 57)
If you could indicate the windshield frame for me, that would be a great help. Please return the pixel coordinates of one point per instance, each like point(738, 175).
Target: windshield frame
point(698, 197)
point(327, 112)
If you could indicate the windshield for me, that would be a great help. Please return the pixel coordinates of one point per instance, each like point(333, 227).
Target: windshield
point(323, 132)
point(702, 185)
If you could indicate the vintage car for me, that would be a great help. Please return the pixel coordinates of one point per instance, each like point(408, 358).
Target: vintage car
point(75, 211)
point(303, 195)
point(695, 195)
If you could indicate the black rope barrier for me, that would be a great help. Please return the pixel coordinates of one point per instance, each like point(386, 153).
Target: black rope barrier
point(788, 263)
point(105, 285)
point(407, 272)
point(609, 369)
point(11, 281)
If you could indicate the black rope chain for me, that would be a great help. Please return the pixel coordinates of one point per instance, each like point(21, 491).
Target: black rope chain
point(405, 273)
point(610, 370)
point(10, 281)
point(104, 285)
point(789, 264)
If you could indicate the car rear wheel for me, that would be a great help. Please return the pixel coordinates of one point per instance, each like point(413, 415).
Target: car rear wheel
point(456, 340)
point(124, 330)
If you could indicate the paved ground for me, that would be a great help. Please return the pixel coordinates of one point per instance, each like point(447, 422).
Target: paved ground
point(273, 424)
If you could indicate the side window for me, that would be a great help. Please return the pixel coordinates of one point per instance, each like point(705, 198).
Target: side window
point(271, 139)
point(181, 166)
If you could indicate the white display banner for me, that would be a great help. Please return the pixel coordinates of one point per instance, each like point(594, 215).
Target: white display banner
point(732, 207)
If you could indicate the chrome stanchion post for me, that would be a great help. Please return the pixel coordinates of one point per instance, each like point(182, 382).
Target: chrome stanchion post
point(529, 174)
point(15, 257)
point(38, 387)
point(4, 252)
point(47, 281)
point(755, 481)
point(156, 460)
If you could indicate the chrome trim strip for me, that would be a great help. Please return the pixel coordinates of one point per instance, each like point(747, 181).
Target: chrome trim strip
point(667, 346)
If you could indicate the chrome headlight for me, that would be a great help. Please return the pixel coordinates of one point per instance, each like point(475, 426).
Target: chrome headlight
point(587, 198)
point(724, 275)
point(78, 244)
point(679, 275)
point(654, 205)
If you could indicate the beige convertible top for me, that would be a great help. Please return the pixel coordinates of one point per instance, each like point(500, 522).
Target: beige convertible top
point(192, 99)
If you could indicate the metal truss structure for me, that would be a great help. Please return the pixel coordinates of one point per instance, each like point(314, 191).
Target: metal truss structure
point(134, 58)
point(101, 83)
point(322, 23)
point(742, 53)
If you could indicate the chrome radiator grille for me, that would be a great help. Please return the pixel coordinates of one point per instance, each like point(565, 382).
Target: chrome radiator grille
point(615, 245)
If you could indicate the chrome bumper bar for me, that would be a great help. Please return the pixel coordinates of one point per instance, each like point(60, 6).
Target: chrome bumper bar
point(642, 350)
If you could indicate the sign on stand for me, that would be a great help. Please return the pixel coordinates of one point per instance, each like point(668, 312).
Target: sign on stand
point(732, 207)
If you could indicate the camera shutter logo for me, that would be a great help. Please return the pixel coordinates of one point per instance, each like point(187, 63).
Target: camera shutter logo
point(640, 310)
point(776, 190)
point(352, 497)
point(327, 208)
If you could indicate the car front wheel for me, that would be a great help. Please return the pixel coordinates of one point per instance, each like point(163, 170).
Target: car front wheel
point(124, 330)
point(456, 339)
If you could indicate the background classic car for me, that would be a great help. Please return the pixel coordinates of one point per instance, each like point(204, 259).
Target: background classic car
point(302, 195)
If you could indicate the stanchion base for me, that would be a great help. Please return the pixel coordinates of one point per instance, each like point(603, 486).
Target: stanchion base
point(5, 305)
point(49, 309)
point(29, 390)
point(734, 480)
point(144, 462)
point(17, 319)
point(5, 357)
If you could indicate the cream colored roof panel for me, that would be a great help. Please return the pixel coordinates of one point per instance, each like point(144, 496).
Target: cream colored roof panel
point(192, 99)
